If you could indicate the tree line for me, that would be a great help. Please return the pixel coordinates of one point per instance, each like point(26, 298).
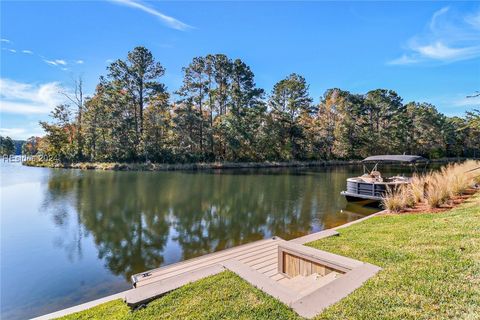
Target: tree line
point(219, 114)
point(7, 146)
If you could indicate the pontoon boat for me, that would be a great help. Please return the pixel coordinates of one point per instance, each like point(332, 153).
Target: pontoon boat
point(371, 185)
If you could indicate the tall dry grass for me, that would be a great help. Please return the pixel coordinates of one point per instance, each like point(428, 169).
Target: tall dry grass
point(393, 200)
point(436, 187)
point(398, 199)
point(417, 187)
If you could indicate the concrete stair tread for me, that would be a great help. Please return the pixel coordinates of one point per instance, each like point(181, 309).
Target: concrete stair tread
point(307, 284)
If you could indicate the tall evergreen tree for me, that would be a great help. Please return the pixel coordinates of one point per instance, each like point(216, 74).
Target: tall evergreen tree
point(193, 94)
point(289, 100)
point(159, 130)
point(139, 77)
point(240, 127)
point(423, 132)
point(382, 108)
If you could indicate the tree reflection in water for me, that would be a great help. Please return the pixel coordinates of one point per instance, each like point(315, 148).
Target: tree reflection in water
point(133, 215)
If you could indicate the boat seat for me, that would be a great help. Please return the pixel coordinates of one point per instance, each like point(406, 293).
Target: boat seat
point(374, 176)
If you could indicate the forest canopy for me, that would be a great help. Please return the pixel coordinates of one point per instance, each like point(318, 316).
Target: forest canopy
point(219, 114)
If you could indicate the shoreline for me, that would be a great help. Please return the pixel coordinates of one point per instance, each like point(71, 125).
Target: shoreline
point(121, 295)
point(303, 240)
point(149, 166)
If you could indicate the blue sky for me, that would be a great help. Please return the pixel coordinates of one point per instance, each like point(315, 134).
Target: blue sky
point(426, 51)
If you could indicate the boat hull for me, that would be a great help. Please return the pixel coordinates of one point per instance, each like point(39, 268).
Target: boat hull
point(358, 190)
point(353, 197)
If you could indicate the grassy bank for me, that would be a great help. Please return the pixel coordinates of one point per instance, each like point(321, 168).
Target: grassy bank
point(431, 270)
point(199, 166)
point(186, 166)
point(223, 296)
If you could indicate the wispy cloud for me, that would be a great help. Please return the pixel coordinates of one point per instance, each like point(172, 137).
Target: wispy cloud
point(14, 133)
point(447, 38)
point(22, 133)
point(473, 20)
point(404, 59)
point(25, 98)
point(436, 15)
point(61, 62)
point(454, 104)
point(463, 101)
point(169, 21)
point(51, 62)
point(55, 62)
point(440, 51)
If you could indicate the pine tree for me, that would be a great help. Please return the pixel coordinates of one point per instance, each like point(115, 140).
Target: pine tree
point(139, 77)
point(289, 100)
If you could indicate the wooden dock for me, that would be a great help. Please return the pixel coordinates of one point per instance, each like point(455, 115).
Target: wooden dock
point(304, 278)
point(258, 264)
point(260, 255)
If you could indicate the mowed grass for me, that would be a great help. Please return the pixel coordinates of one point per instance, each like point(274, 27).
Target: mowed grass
point(431, 270)
point(222, 296)
point(431, 265)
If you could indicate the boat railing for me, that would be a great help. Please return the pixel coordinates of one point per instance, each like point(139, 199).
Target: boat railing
point(366, 188)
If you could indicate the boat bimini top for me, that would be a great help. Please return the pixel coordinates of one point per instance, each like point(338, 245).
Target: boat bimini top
point(395, 158)
point(373, 175)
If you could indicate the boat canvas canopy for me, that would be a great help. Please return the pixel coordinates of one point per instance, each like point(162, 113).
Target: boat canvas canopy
point(395, 158)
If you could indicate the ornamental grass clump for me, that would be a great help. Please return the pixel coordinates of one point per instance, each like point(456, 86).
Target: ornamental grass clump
point(451, 181)
point(434, 188)
point(458, 179)
point(406, 193)
point(460, 176)
point(417, 188)
point(472, 169)
point(394, 200)
point(438, 190)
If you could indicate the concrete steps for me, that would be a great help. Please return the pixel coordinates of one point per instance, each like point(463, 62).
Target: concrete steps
point(304, 285)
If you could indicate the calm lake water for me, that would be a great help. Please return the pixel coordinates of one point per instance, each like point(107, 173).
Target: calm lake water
point(70, 236)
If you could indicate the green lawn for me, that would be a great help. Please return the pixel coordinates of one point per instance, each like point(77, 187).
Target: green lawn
point(431, 270)
point(223, 296)
point(431, 266)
